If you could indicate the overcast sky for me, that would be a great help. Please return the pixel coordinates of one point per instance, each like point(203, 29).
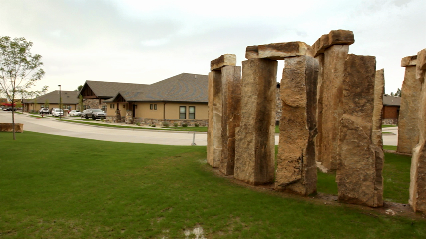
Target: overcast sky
point(148, 41)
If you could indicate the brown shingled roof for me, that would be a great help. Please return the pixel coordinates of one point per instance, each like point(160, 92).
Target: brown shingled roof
point(68, 97)
point(184, 87)
point(391, 100)
point(103, 89)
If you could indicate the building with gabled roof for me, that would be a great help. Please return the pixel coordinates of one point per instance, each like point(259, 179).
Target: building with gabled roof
point(51, 100)
point(180, 98)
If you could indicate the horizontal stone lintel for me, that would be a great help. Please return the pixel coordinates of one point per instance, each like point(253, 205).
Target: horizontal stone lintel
point(279, 51)
point(335, 37)
point(409, 61)
point(223, 60)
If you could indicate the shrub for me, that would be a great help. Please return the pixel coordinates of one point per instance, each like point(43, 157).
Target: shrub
point(153, 125)
point(166, 124)
point(138, 123)
point(197, 125)
point(175, 124)
point(184, 125)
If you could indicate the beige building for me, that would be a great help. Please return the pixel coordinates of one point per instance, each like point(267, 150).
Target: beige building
point(179, 99)
point(51, 100)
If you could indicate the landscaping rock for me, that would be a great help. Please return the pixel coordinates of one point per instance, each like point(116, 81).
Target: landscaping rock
point(8, 127)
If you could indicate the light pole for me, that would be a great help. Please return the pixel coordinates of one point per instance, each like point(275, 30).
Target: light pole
point(60, 101)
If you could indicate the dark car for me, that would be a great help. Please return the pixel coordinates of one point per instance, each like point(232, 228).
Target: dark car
point(94, 114)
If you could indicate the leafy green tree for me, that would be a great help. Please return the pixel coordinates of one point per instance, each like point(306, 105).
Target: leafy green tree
point(19, 69)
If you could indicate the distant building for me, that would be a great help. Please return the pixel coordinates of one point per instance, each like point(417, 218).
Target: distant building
point(51, 100)
point(391, 105)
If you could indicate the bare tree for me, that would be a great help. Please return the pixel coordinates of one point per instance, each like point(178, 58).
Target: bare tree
point(19, 69)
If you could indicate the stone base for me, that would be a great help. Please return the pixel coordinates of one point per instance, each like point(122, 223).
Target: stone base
point(8, 127)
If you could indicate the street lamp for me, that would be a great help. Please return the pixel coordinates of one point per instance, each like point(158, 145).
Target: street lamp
point(60, 101)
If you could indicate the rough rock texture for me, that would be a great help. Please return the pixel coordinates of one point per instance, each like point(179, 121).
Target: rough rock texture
point(254, 156)
point(409, 61)
point(279, 51)
point(359, 174)
point(231, 105)
point(379, 90)
point(223, 60)
point(330, 112)
point(320, 93)
point(408, 130)
point(418, 161)
point(8, 127)
point(214, 140)
point(296, 168)
point(334, 37)
point(421, 65)
point(252, 52)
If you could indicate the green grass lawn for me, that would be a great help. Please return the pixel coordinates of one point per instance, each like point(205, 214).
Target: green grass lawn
point(389, 125)
point(62, 187)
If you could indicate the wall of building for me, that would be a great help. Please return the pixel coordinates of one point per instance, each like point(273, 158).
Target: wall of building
point(36, 107)
point(390, 114)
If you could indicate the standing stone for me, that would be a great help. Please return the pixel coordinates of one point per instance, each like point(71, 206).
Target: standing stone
point(359, 174)
point(320, 93)
point(231, 105)
point(214, 142)
point(296, 168)
point(331, 104)
point(255, 144)
point(408, 131)
point(379, 90)
point(418, 161)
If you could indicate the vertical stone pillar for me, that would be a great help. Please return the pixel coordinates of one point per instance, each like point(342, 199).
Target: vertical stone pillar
point(408, 130)
point(418, 161)
point(379, 90)
point(296, 168)
point(231, 105)
point(359, 174)
point(255, 144)
point(214, 144)
point(320, 92)
point(334, 47)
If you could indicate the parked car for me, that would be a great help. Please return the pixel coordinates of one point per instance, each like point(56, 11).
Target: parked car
point(94, 114)
point(43, 111)
point(57, 112)
point(75, 113)
point(9, 109)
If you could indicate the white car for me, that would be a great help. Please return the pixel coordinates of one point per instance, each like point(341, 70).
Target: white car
point(75, 113)
point(57, 112)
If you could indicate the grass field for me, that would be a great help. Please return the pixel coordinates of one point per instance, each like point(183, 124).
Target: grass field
point(61, 187)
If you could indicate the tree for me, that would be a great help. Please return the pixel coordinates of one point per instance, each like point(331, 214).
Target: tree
point(79, 88)
point(19, 69)
point(397, 93)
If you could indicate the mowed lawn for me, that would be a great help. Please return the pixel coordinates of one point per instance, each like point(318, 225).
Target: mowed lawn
point(61, 187)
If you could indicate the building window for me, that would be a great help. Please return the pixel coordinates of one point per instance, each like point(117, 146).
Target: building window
point(104, 108)
point(153, 106)
point(124, 106)
point(182, 112)
point(112, 106)
point(191, 112)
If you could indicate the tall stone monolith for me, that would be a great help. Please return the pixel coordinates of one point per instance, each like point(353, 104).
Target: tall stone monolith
point(334, 47)
point(214, 134)
point(296, 168)
point(255, 144)
point(231, 107)
point(359, 173)
point(214, 142)
point(379, 90)
point(418, 161)
point(408, 131)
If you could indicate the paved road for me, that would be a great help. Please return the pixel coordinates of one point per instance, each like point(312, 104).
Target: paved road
point(52, 126)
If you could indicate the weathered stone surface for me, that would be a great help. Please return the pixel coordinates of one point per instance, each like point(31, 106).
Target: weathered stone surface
point(409, 61)
point(418, 178)
point(214, 140)
point(254, 156)
point(252, 52)
point(223, 60)
point(8, 127)
point(231, 105)
point(331, 105)
point(408, 131)
point(418, 161)
point(379, 90)
point(296, 168)
point(421, 65)
point(279, 51)
point(334, 37)
point(320, 92)
point(359, 174)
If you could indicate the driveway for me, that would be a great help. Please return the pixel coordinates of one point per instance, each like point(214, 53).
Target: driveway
point(50, 125)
